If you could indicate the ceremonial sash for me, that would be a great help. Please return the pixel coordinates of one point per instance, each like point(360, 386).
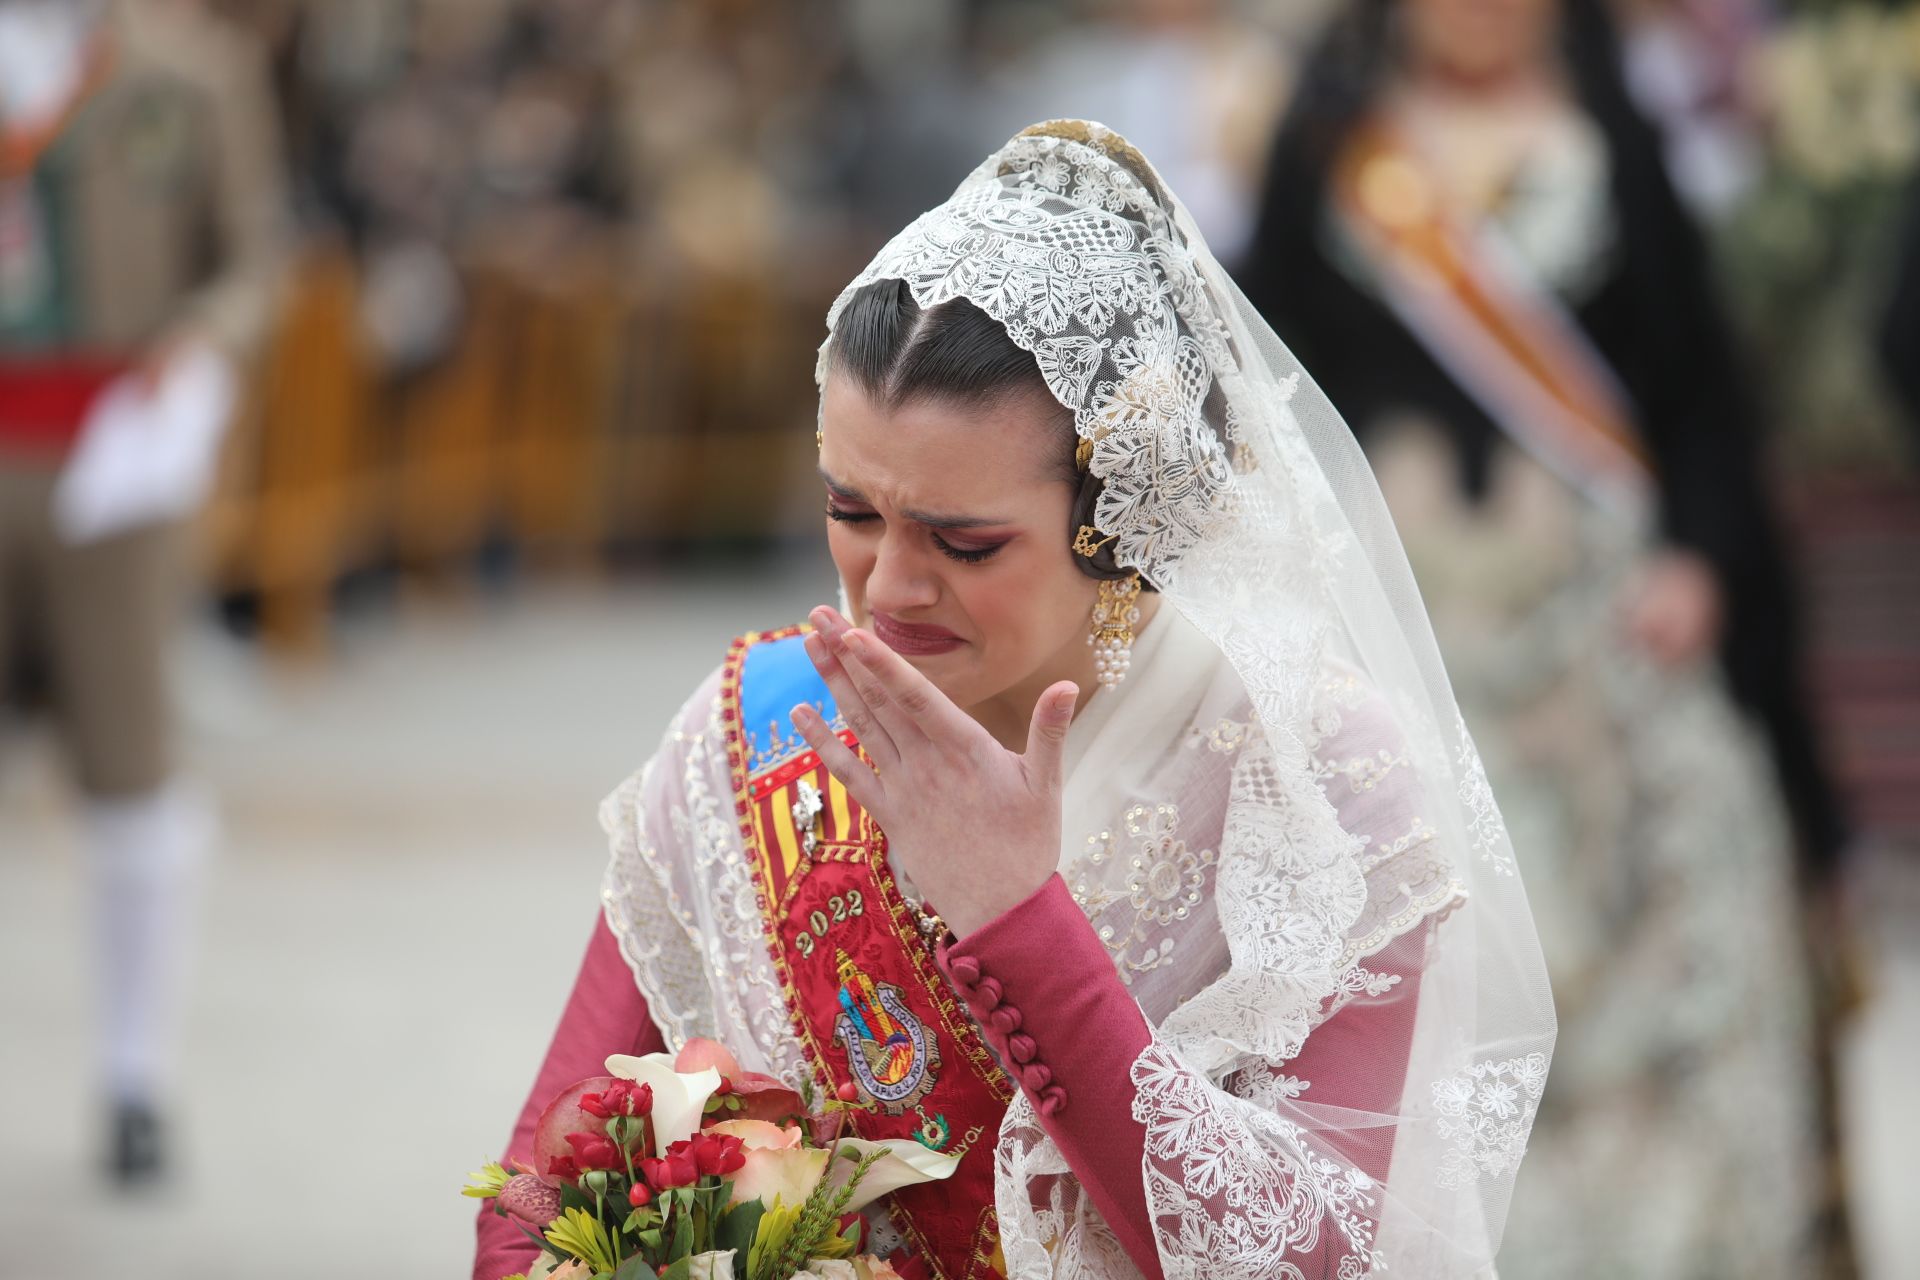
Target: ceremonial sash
point(1502, 338)
point(865, 999)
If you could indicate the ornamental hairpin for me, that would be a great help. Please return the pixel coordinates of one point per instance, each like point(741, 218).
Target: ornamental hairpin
point(1088, 541)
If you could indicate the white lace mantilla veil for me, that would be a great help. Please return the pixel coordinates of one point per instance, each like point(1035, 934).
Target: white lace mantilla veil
point(1278, 820)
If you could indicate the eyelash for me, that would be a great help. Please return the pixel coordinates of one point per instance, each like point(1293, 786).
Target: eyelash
point(963, 554)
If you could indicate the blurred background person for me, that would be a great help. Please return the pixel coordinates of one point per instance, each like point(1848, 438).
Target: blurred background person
point(139, 215)
point(1198, 82)
point(1470, 235)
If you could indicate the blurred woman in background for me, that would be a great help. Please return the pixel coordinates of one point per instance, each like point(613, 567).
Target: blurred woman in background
point(1470, 238)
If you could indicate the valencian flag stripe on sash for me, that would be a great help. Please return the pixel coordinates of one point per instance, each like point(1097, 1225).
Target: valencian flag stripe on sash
point(863, 994)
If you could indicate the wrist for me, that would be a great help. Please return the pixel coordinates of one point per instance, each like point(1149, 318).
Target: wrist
point(973, 912)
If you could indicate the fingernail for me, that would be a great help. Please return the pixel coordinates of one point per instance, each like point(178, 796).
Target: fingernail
point(816, 648)
point(800, 715)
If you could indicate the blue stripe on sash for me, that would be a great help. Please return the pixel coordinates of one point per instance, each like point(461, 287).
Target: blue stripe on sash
point(778, 675)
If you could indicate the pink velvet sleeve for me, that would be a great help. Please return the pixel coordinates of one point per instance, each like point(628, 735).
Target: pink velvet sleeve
point(606, 1014)
point(1045, 992)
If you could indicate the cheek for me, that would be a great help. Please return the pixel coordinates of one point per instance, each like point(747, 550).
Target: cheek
point(852, 559)
point(1025, 610)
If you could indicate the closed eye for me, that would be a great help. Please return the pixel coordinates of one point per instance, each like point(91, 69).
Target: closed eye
point(965, 555)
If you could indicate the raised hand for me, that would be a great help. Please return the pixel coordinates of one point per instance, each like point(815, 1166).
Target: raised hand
point(1675, 608)
point(974, 826)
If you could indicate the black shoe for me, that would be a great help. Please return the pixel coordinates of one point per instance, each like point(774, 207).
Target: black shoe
point(138, 1157)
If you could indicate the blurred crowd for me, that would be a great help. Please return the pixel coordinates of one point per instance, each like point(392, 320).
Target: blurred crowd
point(558, 266)
point(535, 286)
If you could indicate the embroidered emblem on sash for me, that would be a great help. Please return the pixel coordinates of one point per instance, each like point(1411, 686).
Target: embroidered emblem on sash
point(889, 1051)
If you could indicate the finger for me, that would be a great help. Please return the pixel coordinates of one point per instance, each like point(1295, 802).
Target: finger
point(861, 782)
point(853, 708)
point(917, 698)
point(1047, 735)
point(859, 654)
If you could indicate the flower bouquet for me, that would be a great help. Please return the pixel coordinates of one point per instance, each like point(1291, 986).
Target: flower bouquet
point(689, 1168)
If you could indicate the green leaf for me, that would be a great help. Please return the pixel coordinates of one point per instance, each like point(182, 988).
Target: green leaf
point(682, 1233)
point(737, 1229)
point(682, 1269)
point(634, 1268)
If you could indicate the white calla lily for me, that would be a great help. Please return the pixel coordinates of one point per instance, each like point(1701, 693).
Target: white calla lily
point(679, 1098)
point(906, 1163)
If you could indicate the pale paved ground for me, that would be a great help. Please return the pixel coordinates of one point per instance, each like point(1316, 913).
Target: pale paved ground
point(409, 874)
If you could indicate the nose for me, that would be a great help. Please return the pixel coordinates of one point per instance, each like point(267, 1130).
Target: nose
point(901, 580)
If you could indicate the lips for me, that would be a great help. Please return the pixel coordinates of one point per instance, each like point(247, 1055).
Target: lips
point(911, 640)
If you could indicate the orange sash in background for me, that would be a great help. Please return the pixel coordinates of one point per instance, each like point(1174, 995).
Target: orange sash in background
point(1506, 341)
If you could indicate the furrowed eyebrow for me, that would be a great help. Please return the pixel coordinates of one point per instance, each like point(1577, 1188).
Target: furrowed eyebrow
point(919, 517)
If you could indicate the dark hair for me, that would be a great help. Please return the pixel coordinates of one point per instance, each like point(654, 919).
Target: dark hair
point(956, 354)
point(1351, 61)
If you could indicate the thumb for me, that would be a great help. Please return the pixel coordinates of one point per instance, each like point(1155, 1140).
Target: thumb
point(1048, 733)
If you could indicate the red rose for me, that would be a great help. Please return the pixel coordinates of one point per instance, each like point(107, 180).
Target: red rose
point(620, 1098)
point(671, 1171)
point(562, 1167)
point(595, 1151)
point(717, 1154)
